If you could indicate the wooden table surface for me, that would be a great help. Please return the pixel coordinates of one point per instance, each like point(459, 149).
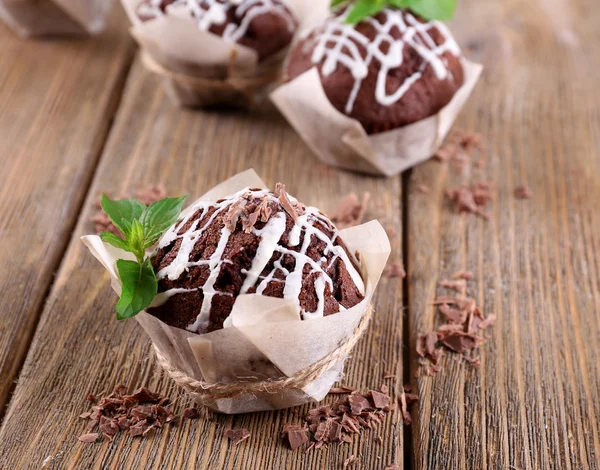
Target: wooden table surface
point(81, 117)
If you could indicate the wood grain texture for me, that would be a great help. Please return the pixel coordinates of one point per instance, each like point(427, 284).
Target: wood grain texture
point(80, 347)
point(535, 401)
point(57, 99)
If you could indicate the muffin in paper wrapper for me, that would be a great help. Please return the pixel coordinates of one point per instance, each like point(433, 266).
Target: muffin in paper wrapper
point(200, 68)
point(341, 141)
point(264, 337)
point(55, 17)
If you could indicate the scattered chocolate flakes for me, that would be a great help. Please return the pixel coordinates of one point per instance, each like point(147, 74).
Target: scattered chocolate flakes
point(461, 332)
point(392, 467)
point(396, 270)
point(472, 200)
point(350, 461)
point(137, 413)
point(523, 192)
point(458, 147)
point(90, 437)
point(191, 413)
point(350, 211)
point(336, 423)
point(237, 435)
point(146, 195)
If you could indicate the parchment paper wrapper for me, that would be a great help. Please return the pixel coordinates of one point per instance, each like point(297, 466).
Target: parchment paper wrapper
point(263, 337)
point(55, 17)
point(200, 68)
point(341, 141)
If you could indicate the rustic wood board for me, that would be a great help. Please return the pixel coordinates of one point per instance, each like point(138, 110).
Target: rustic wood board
point(80, 348)
point(535, 401)
point(57, 101)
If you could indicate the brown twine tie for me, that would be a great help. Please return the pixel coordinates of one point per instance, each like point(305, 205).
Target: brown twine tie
point(215, 391)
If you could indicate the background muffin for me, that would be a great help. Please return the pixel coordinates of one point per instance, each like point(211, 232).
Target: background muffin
point(265, 26)
point(387, 71)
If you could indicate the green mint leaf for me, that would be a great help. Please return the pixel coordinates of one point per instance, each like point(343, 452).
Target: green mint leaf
point(363, 9)
point(139, 287)
point(433, 9)
point(400, 3)
point(123, 212)
point(115, 241)
point(158, 217)
point(135, 240)
point(335, 3)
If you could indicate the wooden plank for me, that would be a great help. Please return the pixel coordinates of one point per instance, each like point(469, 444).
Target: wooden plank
point(535, 401)
point(80, 347)
point(57, 101)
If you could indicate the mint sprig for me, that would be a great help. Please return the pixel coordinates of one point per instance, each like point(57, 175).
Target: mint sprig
point(142, 226)
point(428, 9)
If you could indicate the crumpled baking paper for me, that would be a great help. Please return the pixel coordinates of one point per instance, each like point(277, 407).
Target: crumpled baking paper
point(341, 141)
point(264, 337)
point(55, 17)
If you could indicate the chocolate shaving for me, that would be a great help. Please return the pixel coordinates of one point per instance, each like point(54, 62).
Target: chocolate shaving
point(350, 461)
point(392, 467)
point(458, 285)
point(89, 437)
point(380, 400)
point(396, 270)
point(296, 435)
point(523, 192)
point(358, 403)
point(466, 275)
point(191, 413)
point(350, 211)
point(285, 201)
point(237, 435)
point(233, 214)
point(406, 399)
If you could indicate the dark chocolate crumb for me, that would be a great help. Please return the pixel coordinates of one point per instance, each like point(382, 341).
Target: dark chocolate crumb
point(237, 435)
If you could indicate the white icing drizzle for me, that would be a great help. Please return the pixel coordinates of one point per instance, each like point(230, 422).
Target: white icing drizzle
point(270, 236)
point(208, 13)
point(338, 44)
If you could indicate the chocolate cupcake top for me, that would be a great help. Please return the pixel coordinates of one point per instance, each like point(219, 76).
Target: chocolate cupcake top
point(266, 26)
point(254, 241)
point(387, 71)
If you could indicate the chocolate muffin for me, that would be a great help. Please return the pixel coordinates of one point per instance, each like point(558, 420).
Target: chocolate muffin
point(266, 26)
point(252, 242)
point(387, 71)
